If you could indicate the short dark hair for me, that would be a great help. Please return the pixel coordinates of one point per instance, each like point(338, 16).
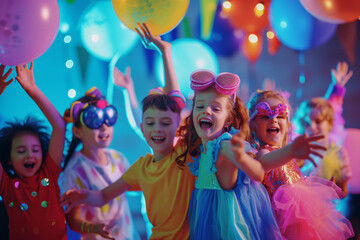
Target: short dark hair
point(160, 101)
point(29, 125)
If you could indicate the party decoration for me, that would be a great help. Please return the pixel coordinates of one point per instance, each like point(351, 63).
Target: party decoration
point(333, 11)
point(273, 43)
point(249, 15)
point(207, 13)
point(252, 46)
point(224, 39)
point(102, 33)
point(160, 16)
point(296, 28)
point(27, 29)
point(188, 55)
point(351, 144)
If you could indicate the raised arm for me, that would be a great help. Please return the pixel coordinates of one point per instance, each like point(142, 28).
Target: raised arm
point(3, 78)
point(125, 81)
point(25, 77)
point(155, 42)
point(300, 148)
point(74, 197)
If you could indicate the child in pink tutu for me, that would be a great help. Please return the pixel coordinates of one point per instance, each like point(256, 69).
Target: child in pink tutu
point(303, 206)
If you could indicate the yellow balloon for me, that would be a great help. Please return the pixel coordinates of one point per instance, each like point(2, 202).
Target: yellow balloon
point(161, 16)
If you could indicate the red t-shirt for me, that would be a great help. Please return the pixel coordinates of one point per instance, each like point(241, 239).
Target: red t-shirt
point(33, 204)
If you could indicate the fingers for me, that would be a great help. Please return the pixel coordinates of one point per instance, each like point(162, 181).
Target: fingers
point(31, 66)
point(314, 138)
point(128, 71)
point(317, 147)
point(7, 74)
point(312, 160)
point(316, 153)
point(332, 179)
point(2, 68)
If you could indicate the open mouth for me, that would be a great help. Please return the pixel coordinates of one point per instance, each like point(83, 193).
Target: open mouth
point(103, 136)
point(205, 123)
point(273, 130)
point(158, 139)
point(29, 165)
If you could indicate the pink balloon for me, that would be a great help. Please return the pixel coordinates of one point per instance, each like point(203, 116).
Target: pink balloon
point(27, 29)
point(351, 144)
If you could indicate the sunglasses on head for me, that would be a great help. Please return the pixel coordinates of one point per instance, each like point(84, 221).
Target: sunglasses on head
point(225, 83)
point(94, 117)
point(264, 109)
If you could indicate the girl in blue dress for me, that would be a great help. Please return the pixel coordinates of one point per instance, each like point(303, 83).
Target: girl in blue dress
point(228, 201)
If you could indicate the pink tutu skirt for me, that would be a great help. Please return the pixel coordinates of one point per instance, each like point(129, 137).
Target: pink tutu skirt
point(305, 210)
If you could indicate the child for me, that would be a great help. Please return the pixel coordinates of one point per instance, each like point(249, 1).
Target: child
point(30, 166)
point(163, 177)
point(303, 207)
point(316, 116)
point(95, 167)
point(226, 203)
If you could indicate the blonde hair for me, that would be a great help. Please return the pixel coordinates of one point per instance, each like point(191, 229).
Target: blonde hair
point(261, 96)
point(324, 108)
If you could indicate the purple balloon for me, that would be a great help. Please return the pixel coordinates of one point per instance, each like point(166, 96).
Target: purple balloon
point(27, 29)
point(296, 28)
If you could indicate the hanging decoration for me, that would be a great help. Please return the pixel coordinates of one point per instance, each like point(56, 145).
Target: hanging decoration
point(207, 14)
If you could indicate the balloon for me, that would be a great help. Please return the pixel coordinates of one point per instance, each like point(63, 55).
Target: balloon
point(188, 55)
point(243, 14)
point(333, 11)
point(296, 28)
point(223, 32)
point(252, 46)
point(160, 16)
point(27, 29)
point(102, 33)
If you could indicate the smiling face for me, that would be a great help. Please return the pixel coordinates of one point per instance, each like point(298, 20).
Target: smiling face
point(94, 138)
point(271, 131)
point(210, 114)
point(159, 129)
point(25, 155)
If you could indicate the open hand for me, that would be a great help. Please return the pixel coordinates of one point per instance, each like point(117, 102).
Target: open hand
point(25, 76)
point(100, 229)
point(303, 146)
point(342, 74)
point(3, 78)
point(123, 80)
point(149, 40)
point(72, 198)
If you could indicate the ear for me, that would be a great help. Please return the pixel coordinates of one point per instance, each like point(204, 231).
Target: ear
point(76, 131)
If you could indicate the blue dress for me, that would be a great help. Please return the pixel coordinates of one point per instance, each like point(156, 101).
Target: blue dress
point(244, 212)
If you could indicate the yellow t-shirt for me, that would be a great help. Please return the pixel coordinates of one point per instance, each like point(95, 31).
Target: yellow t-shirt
point(167, 190)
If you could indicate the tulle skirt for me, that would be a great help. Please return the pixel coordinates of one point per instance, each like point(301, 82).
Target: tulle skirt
point(242, 213)
point(305, 210)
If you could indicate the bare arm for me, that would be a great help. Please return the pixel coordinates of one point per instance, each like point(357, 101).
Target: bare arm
point(25, 77)
point(171, 81)
point(300, 148)
point(74, 197)
point(125, 81)
point(78, 225)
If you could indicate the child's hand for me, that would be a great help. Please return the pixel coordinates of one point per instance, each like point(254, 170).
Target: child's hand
point(100, 229)
point(238, 145)
point(72, 198)
point(25, 76)
point(121, 80)
point(302, 147)
point(150, 41)
point(3, 78)
point(341, 75)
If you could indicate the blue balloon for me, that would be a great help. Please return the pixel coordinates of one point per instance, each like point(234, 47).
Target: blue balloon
point(102, 33)
point(188, 55)
point(224, 39)
point(296, 28)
